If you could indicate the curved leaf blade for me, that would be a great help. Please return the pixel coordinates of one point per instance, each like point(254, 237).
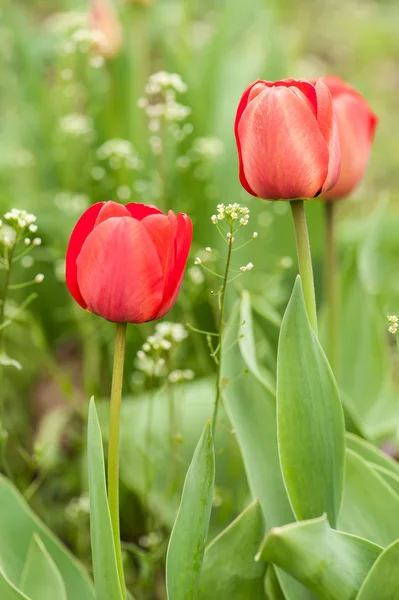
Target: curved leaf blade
point(106, 579)
point(382, 582)
point(371, 453)
point(18, 524)
point(188, 538)
point(310, 420)
point(8, 591)
point(330, 563)
point(41, 580)
point(370, 507)
point(229, 569)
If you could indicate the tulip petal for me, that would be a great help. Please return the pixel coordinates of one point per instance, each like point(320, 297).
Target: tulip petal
point(181, 251)
point(139, 211)
point(283, 151)
point(160, 231)
point(81, 230)
point(353, 117)
point(241, 107)
point(327, 121)
point(111, 209)
point(119, 272)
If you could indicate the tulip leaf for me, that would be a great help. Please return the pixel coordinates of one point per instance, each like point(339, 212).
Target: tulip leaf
point(370, 507)
point(371, 453)
point(330, 563)
point(382, 582)
point(17, 525)
point(246, 343)
point(106, 579)
point(390, 478)
point(8, 591)
point(310, 420)
point(188, 538)
point(251, 409)
point(272, 586)
point(41, 580)
point(229, 569)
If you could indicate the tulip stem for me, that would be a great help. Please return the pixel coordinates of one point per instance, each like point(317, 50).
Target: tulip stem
point(304, 260)
point(219, 349)
point(113, 446)
point(330, 283)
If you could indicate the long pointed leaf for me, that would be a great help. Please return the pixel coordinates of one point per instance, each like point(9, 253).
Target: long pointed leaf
point(106, 578)
point(229, 569)
point(309, 418)
point(41, 580)
point(8, 591)
point(188, 538)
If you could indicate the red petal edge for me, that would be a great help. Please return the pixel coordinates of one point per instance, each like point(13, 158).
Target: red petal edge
point(79, 234)
point(139, 211)
point(241, 107)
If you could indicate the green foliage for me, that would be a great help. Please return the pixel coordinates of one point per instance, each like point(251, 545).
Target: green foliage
point(187, 541)
point(382, 582)
point(309, 418)
point(40, 578)
point(106, 577)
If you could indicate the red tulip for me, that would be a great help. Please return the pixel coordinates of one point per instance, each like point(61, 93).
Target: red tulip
point(356, 124)
point(126, 263)
point(287, 139)
point(104, 21)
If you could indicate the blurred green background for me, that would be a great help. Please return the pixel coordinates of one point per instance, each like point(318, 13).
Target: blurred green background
point(61, 101)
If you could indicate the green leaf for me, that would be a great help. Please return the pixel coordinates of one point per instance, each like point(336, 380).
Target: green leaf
point(8, 591)
point(382, 582)
point(188, 537)
point(390, 478)
point(41, 580)
point(252, 411)
point(272, 586)
point(370, 507)
point(106, 579)
point(246, 343)
point(310, 420)
point(330, 563)
point(17, 525)
point(229, 569)
point(371, 453)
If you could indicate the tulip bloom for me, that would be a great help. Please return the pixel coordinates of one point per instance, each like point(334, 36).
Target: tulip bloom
point(356, 124)
point(287, 139)
point(126, 263)
point(104, 21)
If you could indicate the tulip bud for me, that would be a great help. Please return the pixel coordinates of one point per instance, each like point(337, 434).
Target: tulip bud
point(126, 263)
point(105, 23)
point(356, 125)
point(287, 139)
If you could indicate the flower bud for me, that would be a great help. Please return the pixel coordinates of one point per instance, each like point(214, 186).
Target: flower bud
point(105, 23)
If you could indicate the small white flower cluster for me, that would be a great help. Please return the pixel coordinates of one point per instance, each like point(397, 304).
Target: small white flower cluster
point(78, 507)
point(151, 358)
point(393, 324)
point(76, 35)
point(208, 148)
point(178, 375)
point(18, 227)
point(247, 267)
point(76, 125)
point(71, 204)
point(231, 213)
point(160, 105)
point(117, 152)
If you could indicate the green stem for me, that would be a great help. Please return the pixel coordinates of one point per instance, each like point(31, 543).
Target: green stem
point(330, 283)
point(113, 447)
point(304, 260)
point(219, 353)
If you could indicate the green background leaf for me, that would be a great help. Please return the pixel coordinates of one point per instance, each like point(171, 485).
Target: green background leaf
point(310, 419)
point(188, 538)
point(18, 524)
point(106, 577)
point(330, 563)
point(382, 582)
point(229, 569)
point(41, 580)
point(8, 591)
